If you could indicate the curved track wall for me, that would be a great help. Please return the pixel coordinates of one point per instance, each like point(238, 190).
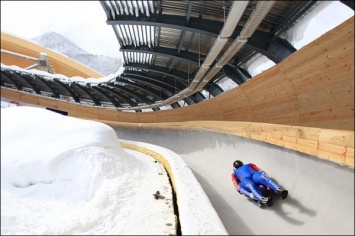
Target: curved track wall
point(312, 88)
point(321, 193)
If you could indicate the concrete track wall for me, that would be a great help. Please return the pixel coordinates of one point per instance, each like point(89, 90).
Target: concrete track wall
point(321, 193)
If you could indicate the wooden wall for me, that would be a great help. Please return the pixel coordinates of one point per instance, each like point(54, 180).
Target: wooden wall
point(312, 88)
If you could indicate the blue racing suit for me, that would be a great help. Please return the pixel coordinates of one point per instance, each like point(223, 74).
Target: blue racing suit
point(248, 177)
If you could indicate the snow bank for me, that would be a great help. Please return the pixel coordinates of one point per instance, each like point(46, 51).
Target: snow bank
point(196, 214)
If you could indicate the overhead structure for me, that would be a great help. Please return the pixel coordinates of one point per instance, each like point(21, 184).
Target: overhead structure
point(187, 47)
point(177, 52)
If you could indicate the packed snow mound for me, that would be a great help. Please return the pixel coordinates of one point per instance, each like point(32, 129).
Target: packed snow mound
point(90, 153)
point(62, 174)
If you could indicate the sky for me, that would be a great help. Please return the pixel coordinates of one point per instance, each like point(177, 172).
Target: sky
point(82, 22)
point(65, 175)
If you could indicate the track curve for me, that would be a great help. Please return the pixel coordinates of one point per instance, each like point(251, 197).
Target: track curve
point(321, 193)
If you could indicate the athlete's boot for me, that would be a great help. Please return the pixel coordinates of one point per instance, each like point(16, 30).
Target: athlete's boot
point(267, 201)
point(282, 193)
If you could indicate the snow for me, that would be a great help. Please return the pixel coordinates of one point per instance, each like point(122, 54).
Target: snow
point(64, 175)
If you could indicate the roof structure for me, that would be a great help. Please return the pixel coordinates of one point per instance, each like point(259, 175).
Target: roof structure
point(176, 52)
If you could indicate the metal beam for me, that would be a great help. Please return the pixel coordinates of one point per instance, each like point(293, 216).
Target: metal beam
point(188, 57)
point(194, 98)
point(291, 18)
point(66, 87)
point(245, 57)
point(181, 76)
point(198, 97)
point(149, 80)
point(279, 49)
point(181, 40)
point(237, 74)
point(198, 25)
point(83, 88)
point(115, 30)
point(214, 89)
point(104, 6)
point(137, 95)
point(108, 96)
point(276, 49)
point(4, 74)
point(124, 97)
point(188, 13)
point(175, 105)
point(159, 7)
point(190, 100)
point(202, 9)
point(54, 92)
point(258, 14)
point(141, 87)
point(187, 23)
point(166, 84)
point(28, 80)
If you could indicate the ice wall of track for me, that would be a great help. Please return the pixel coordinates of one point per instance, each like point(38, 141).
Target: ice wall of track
point(321, 193)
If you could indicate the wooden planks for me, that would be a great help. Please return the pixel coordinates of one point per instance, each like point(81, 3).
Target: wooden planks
point(330, 144)
point(305, 103)
point(313, 87)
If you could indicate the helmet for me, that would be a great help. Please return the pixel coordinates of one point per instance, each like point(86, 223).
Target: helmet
point(237, 164)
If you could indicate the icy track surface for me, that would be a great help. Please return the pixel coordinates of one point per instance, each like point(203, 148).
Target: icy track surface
point(321, 193)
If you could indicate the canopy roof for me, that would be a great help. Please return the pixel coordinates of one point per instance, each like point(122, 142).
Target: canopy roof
point(176, 52)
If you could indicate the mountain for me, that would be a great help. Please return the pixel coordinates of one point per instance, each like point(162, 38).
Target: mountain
point(103, 64)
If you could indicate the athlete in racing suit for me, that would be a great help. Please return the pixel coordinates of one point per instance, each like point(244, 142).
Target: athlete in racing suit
point(247, 178)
